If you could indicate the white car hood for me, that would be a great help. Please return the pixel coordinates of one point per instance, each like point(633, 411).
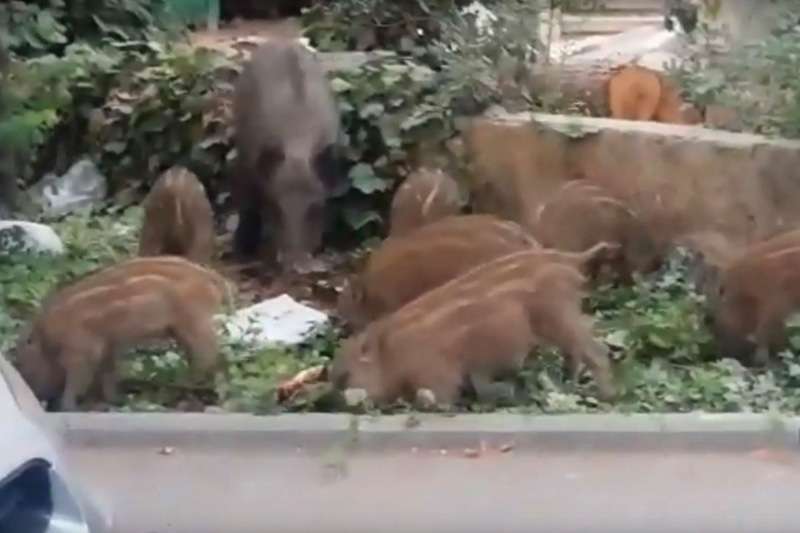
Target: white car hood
point(22, 440)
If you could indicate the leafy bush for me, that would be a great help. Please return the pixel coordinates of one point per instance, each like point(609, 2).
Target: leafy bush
point(47, 104)
point(388, 106)
point(367, 24)
point(91, 241)
point(140, 106)
point(759, 80)
point(47, 26)
point(170, 105)
point(28, 28)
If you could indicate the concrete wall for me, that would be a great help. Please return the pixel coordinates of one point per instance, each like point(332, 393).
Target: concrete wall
point(681, 178)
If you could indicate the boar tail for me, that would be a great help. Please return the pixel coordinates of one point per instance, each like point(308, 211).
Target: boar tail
point(601, 248)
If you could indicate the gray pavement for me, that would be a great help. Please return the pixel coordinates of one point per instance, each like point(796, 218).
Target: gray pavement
point(478, 475)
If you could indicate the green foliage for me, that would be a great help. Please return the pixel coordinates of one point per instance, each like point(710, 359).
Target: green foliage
point(385, 24)
point(115, 20)
point(28, 27)
point(388, 106)
point(49, 95)
point(254, 375)
point(46, 26)
point(45, 101)
point(138, 107)
point(91, 241)
point(171, 106)
point(392, 105)
point(759, 79)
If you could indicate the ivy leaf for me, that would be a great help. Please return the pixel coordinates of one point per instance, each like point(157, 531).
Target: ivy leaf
point(340, 86)
point(360, 218)
point(372, 110)
point(363, 178)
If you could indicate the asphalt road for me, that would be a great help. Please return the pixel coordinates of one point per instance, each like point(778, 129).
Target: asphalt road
point(252, 490)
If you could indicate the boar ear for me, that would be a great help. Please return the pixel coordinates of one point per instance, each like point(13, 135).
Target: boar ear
point(715, 249)
point(328, 167)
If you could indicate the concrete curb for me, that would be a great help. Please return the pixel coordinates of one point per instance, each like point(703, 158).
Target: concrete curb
point(725, 432)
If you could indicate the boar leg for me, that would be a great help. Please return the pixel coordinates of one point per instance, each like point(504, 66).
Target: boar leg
point(104, 385)
point(198, 339)
point(575, 340)
point(445, 383)
point(572, 367)
point(491, 392)
point(109, 380)
point(80, 372)
point(250, 229)
point(770, 331)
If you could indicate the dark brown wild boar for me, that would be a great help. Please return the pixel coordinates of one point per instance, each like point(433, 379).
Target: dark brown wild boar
point(286, 133)
point(752, 294)
point(425, 196)
point(178, 219)
point(70, 348)
point(402, 268)
point(580, 215)
point(473, 330)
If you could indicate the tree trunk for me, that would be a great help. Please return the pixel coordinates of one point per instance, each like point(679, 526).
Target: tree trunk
point(565, 84)
point(584, 76)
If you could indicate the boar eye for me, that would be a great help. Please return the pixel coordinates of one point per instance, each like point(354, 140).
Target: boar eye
point(269, 159)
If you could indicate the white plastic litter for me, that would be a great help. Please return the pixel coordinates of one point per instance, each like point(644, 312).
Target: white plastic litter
point(277, 320)
point(484, 17)
point(81, 186)
point(27, 237)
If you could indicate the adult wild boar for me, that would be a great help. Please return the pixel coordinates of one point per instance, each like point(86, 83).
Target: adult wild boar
point(286, 134)
point(178, 219)
point(71, 346)
point(425, 196)
point(473, 330)
point(580, 215)
point(750, 293)
point(404, 267)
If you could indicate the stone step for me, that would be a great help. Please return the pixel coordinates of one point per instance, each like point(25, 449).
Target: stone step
point(610, 6)
point(602, 24)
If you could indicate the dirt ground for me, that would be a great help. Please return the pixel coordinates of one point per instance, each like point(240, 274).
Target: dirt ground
point(246, 30)
point(259, 279)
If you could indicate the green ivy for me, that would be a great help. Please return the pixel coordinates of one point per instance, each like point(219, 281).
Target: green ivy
point(759, 79)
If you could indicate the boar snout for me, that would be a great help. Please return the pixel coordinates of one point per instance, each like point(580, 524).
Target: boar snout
point(300, 262)
point(298, 202)
point(37, 371)
point(730, 343)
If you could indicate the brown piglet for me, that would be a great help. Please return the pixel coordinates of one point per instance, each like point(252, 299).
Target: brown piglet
point(70, 348)
point(425, 196)
point(472, 331)
point(580, 215)
point(402, 268)
point(178, 219)
point(751, 293)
